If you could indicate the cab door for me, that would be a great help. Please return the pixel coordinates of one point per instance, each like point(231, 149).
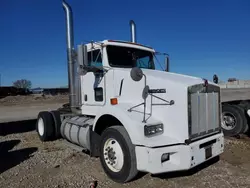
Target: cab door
point(94, 82)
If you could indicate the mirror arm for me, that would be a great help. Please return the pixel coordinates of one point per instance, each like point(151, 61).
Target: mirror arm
point(167, 63)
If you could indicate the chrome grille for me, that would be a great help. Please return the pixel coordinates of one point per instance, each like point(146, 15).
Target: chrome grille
point(204, 110)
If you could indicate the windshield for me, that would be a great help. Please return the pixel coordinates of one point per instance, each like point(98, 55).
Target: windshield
point(129, 57)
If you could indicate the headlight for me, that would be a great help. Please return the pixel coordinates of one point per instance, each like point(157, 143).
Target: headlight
point(152, 130)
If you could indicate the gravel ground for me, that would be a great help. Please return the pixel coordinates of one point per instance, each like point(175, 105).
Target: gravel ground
point(27, 162)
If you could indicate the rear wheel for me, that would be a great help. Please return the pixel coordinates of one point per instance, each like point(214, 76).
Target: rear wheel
point(117, 154)
point(45, 126)
point(234, 120)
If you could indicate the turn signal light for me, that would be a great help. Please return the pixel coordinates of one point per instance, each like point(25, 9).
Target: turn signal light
point(114, 101)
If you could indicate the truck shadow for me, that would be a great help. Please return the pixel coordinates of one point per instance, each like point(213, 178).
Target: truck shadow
point(10, 159)
point(17, 127)
point(188, 172)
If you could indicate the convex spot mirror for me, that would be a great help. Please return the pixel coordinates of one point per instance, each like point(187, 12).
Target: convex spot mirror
point(136, 74)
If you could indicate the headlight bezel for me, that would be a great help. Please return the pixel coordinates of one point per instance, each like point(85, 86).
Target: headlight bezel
point(153, 130)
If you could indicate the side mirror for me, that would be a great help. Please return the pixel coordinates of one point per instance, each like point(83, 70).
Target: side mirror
point(85, 56)
point(82, 55)
point(167, 63)
point(136, 74)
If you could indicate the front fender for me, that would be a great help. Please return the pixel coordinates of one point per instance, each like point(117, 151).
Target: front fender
point(132, 122)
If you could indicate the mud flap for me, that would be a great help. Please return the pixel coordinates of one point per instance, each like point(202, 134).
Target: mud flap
point(94, 143)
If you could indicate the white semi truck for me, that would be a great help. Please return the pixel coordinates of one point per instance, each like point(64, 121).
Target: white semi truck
point(132, 116)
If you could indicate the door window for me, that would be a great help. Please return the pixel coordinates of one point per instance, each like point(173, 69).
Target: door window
point(95, 58)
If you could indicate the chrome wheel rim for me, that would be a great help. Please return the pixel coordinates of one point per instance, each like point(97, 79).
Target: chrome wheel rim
point(229, 121)
point(40, 127)
point(113, 155)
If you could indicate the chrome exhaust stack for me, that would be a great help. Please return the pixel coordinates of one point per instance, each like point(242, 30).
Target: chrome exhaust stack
point(73, 98)
point(133, 31)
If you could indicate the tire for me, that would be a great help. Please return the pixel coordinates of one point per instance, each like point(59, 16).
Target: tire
point(247, 132)
point(245, 105)
point(125, 168)
point(246, 129)
point(57, 119)
point(244, 119)
point(237, 114)
point(45, 126)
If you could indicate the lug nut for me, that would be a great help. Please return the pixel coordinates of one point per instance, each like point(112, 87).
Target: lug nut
point(106, 159)
point(105, 153)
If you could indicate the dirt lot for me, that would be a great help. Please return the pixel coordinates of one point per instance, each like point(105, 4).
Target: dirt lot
point(21, 100)
point(16, 108)
point(27, 162)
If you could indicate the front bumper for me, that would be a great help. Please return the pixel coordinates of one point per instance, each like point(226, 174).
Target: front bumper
point(181, 157)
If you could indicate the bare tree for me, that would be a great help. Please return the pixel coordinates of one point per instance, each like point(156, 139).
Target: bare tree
point(23, 83)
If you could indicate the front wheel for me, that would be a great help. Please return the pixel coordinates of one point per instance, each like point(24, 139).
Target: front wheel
point(117, 154)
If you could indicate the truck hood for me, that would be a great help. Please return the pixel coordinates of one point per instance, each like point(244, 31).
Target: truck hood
point(174, 117)
point(183, 80)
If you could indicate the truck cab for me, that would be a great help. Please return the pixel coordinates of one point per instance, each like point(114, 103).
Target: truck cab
point(109, 59)
point(133, 116)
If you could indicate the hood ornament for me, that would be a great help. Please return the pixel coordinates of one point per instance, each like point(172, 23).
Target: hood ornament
point(205, 84)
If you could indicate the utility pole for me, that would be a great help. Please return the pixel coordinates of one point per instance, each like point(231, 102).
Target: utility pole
point(0, 80)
